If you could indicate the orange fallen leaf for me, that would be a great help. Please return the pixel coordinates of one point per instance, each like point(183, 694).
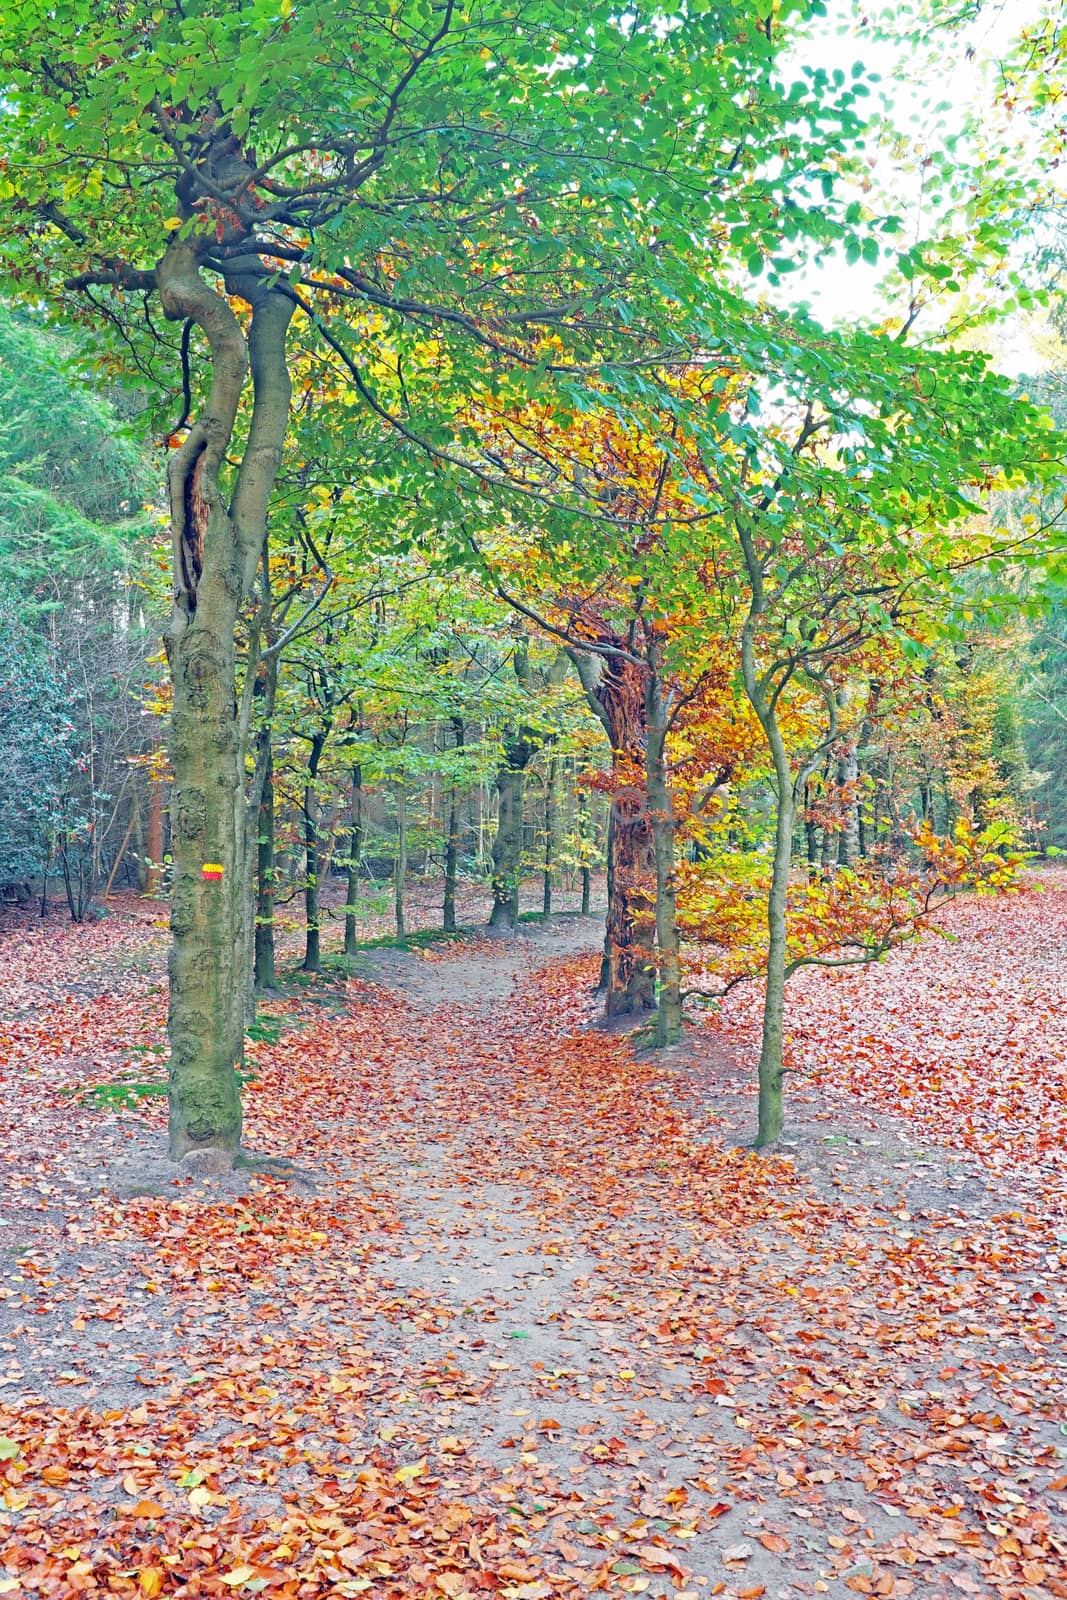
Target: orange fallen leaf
point(774, 1541)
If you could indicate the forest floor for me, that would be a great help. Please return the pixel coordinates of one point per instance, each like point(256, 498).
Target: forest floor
point(531, 1321)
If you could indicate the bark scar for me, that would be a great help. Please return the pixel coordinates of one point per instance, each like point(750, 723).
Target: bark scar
point(195, 512)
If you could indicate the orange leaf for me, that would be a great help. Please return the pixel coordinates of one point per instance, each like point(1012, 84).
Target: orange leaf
point(774, 1541)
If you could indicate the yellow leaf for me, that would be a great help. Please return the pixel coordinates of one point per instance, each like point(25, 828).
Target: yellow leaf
point(238, 1575)
point(409, 1473)
point(172, 224)
point(199, 1497)
point(150, 1580)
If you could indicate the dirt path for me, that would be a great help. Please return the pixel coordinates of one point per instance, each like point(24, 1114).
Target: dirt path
point(539, 1329)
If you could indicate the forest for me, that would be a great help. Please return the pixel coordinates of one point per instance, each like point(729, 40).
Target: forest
point(533, 673)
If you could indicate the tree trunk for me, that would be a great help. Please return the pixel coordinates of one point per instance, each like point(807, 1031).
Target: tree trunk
point(312, 950)
point(355, 852)
point(584, 845)
point(605, 960)
point(664, 824)
point(400, 865)
point(826, 848)
point(266, 977)
point(848, 848)
point(811, 836)
point(448, 910)
point(507, 844)
point(551, 786)
point(615, 689)
point(771, 1061)
point(217, 551)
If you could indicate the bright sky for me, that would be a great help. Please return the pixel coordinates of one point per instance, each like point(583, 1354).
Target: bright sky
point(924, 91)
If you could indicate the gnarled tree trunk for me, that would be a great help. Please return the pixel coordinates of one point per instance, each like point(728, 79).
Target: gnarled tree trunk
point(217, 551)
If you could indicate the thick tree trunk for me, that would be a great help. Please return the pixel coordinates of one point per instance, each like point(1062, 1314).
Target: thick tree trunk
point(206, 1018)
point(266, 977)
point(217, 552)
point(615, 689)
point(355, 852)
point(631, 923)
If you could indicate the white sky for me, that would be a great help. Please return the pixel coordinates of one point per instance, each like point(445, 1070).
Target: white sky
point(927, 89)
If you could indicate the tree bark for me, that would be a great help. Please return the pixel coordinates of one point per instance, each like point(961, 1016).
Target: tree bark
point(507, 843)
point(615, 689)
point(217, 550)
point(848, 848)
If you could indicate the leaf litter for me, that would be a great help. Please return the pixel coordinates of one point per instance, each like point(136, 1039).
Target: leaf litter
point(534, 1325)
